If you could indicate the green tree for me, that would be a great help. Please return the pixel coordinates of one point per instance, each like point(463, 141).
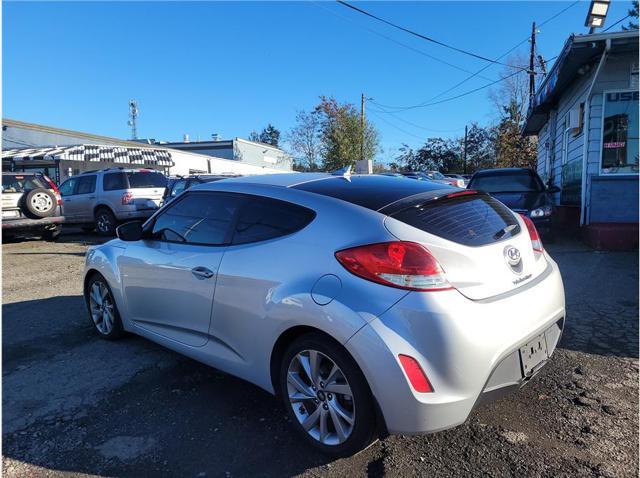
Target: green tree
point(633, 13)
point(480, 149)
point(343, 139)
point(511, 147)
point(269, 135)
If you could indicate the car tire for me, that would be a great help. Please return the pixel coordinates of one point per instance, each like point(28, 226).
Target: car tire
point(52, 234)
point(39, 203)
point(329, 404)
point(105, 222)
point(102, 308)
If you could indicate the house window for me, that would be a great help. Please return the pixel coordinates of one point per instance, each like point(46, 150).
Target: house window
point(634, 76)
point(620, 133)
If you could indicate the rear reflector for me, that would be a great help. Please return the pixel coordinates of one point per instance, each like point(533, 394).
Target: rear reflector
point(416, 376)
point(405, 265)
point(536, 242)
point(56, 192)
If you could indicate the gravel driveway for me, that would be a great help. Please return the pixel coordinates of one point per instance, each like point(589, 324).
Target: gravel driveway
point(74, 404)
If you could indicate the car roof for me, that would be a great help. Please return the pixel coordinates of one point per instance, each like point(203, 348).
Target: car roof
point(497, 171)
point(372, 191)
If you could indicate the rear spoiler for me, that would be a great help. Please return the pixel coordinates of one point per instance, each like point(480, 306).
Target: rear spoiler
point(423, 198)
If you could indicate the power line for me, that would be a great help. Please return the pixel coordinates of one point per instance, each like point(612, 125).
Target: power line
point(473, 75)
point(415, 125)
point(380, 117)
point(419, 35)
point(393, 40)
point(614, 24)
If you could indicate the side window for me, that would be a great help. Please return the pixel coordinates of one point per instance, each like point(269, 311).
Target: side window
point(86, 184)
point(114, 181)
point(199, 218)
point(66, 188)
point(179, 186)
point(263, 219)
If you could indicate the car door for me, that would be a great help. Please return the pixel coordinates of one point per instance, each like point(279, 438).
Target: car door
point(85, 197)
point(169, 278)
point(67, 190)
point(79, 205)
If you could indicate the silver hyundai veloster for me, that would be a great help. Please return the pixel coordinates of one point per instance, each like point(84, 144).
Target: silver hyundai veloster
point(370, 304)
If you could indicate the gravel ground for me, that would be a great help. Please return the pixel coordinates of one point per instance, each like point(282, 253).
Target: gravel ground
point(76, 405)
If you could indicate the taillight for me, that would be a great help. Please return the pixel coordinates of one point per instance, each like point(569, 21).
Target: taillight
point(56, 191)
point(127, 198)
point(415, 374)
point(536, 242)
point(405, 265)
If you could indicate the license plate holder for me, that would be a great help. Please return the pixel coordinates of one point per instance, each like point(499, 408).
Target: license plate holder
point(533, 353)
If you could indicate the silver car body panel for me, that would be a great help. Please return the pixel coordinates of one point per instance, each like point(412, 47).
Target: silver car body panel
point(261, 290)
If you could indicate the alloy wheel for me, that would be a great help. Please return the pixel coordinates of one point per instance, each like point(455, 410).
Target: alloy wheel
point(102, 307)
point(104, 223)
point(321, 397)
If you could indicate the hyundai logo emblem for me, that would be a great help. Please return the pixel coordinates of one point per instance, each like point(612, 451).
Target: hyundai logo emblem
point(512, 255)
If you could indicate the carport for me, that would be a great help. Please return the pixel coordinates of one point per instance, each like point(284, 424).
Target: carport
point(62, 162)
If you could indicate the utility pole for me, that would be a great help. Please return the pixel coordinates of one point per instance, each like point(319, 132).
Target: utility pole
point(464, 157)
point(362, 123)
point(532, 58)
point(133, 116)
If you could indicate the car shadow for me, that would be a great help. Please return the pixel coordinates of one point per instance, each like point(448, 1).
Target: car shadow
point(76, 403)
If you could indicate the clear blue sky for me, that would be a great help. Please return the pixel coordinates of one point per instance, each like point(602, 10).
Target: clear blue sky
point(230, 68)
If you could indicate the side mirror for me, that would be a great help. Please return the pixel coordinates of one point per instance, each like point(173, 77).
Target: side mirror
point(130, 231)
point(553, 189)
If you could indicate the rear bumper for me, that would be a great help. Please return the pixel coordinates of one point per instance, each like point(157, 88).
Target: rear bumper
point(135, 214)
point(468, 349)
point(26, 223)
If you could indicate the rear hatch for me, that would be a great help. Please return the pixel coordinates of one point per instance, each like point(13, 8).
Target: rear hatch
point(472, 235)
point(147, 188)
point(14, 187)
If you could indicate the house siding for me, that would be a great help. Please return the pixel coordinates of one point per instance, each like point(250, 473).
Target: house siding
point(603, 192)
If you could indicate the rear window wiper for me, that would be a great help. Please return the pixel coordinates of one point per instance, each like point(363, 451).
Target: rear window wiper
point(505, 230)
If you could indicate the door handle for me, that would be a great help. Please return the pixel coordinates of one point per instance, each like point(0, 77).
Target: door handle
point(92, 197)
point(202, 273)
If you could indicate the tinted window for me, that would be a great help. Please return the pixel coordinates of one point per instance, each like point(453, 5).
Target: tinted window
point(86, 184)
point(512, 181)
point(146, 179)
point(200, 218)
point(66, 188)
point(371, 191)
point(472, 220)
point(179, 186)
point(114, 181)
point(263, 219)
point(21, 183)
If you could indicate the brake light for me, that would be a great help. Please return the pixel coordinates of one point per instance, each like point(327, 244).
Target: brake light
point(127, 198)
point(56, 191)
point(405, 265)
point(536, 242)
point(415, 374)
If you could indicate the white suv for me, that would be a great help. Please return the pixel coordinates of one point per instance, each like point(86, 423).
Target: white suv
point(102, 199)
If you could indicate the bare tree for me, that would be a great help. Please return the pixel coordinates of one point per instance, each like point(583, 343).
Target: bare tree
point(514, 89)
point(304, 141)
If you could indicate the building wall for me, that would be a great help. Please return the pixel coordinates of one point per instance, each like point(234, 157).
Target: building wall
point(186, 163)
point(564, 150)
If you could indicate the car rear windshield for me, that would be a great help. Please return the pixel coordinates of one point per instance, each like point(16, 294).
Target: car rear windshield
point(21, 183)
point(468, 219)
point(516, 181)
point(146, 179)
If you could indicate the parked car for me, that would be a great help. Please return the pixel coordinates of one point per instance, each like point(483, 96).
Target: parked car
point(101, 199)
point(178, 184)
point(420, 176)
point(30, 205)
point(439, 177)
point(522, 190)
point(366, 302)
point(458, 177)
